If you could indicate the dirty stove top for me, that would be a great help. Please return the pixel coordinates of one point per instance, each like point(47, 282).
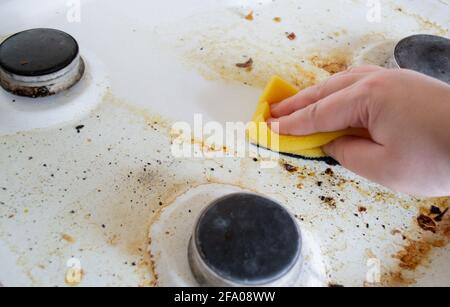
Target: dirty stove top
point(91, 195)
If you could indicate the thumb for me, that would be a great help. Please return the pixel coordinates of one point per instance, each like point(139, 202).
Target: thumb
point(361, 156)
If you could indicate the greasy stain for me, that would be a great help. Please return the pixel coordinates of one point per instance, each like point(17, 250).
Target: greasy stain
point(425, 24)
point(333, 63)
point(138, 192)
point(68, 238)
point(289, 168)
point(74, 277)
point(417, 252)
point(306, 58)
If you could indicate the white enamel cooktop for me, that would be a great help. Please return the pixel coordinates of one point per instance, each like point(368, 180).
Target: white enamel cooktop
point(111, 203)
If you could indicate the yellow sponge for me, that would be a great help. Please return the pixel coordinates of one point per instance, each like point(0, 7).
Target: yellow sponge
point(259, 132)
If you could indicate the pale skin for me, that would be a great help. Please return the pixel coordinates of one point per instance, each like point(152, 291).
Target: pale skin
point(406, 113)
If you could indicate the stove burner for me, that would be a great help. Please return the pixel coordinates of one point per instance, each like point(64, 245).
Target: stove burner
point(245, 240)
point(40, 62)
point(427, 54)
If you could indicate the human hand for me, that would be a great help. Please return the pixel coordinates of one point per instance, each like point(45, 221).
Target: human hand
point(406, 113)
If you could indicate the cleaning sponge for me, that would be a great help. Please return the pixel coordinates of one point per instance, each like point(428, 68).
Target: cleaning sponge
point(260, 134)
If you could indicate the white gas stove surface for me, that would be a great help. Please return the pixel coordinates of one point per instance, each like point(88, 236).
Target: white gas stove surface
point(108, 205)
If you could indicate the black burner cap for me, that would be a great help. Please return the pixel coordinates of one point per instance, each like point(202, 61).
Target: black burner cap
point(427, 54)
point(248, 239)
point(37, 52)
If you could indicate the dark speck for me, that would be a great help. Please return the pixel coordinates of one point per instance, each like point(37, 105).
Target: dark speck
point(78, 128)
point(441, 216)
point(290, 168)
point(435, 210)
point(335, 286)
point(328, 201)
point(426, 223)
point(329, 172)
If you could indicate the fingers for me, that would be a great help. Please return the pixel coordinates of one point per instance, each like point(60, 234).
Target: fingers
point(362, 156)
point(348, 108)
point(313, 94)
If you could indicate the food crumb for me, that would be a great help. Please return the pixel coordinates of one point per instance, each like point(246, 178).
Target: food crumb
point(426, 223)
point(329, 172)
point(247, 65)
point(441, 216)
point(277, 19)
point(78, 128)
point(329, 201)
point(249, 16)
point(68, 238)
point(290, 168)
point(435, 210)
point(291, 36)
point(362, 209)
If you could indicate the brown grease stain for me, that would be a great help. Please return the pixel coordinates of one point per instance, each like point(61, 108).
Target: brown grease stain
point(397, 279)
point(425, 23)
point(333, 63)
point(249, 16)
point(68, 238)
point(75, 282)
point(417, 252)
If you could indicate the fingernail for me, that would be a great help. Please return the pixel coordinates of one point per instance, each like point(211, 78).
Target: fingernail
point(273, 124)
point(329, 149)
